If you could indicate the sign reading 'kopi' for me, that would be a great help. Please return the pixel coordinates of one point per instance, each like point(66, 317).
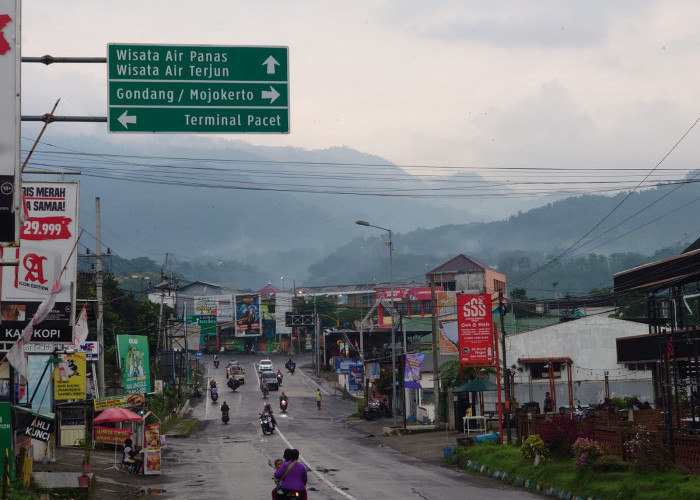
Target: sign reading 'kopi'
point(198, 89)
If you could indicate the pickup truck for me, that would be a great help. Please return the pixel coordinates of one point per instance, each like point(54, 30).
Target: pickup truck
point(235, 369)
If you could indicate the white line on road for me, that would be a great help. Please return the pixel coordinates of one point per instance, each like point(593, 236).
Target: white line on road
point(318, 474)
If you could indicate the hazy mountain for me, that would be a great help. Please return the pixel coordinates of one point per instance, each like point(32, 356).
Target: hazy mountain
point(232, 212)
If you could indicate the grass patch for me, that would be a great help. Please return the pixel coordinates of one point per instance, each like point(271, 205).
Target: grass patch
point(181, 426)
point(610, 484)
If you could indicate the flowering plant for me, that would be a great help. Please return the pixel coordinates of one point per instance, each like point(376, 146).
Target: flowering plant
point(534, 446)
point(586, 451)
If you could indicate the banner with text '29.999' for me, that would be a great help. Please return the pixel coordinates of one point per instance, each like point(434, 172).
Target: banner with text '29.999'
point(475, 321)
point(47, 239)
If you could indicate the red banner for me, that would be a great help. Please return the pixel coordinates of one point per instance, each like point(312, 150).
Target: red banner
point(111, 435)
point(46, 228)
point(475, 320)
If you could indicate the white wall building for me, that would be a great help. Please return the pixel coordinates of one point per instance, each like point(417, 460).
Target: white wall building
point(589, 344)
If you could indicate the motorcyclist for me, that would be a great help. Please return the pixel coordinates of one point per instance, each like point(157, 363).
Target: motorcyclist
point(224, 410)
point(283, 397)
point(212, 383)
point(279, 377)
point(267, 410)
point(265, 388)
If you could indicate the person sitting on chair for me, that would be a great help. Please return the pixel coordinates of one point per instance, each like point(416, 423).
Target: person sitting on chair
point(130, 461)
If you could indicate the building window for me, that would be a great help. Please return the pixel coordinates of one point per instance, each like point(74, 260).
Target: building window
point(541, 370)
point(499, 286)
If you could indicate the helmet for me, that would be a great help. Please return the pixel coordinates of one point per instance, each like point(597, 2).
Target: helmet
point(267, 406)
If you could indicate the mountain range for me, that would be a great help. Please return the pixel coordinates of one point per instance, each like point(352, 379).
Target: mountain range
point(233, 212)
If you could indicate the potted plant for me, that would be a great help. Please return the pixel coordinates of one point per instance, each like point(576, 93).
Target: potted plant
point(85, 443)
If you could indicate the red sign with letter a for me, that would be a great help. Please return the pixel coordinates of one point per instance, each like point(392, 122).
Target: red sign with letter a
point(475, 322)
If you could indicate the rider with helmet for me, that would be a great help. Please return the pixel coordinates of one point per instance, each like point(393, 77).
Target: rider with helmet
point(267, 410)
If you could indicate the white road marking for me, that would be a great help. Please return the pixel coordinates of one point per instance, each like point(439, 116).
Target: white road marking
point(318, 474)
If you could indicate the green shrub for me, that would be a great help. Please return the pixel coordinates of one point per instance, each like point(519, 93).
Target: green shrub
point(610, 463)
point(534, 446)
point(361, 405)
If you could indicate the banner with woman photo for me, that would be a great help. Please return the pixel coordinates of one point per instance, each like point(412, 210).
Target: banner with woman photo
point(134, 363)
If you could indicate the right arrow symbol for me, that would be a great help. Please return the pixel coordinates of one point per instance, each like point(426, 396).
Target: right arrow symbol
point(271, 94)
point(125, 119)
point(270, 62)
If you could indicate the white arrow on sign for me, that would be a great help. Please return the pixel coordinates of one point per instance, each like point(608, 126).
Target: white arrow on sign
point(271, 94)
point(125, 119)
point(270, 62)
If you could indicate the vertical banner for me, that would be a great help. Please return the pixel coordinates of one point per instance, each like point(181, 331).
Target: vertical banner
point(248, 321)
point(10, 116)
point(474, 327)
point(69, 377)
point(6, 436)
point(134, 363)
point(411, 376)
point(47, 239)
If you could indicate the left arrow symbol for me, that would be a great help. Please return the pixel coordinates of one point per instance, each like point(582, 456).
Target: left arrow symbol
point(125, 119)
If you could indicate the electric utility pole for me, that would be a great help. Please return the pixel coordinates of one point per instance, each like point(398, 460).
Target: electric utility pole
point(100, 304)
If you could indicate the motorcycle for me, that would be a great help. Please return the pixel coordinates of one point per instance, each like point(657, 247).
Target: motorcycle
point(265, 424)
point(265, 391)
point(283, 405)
point(233, 384)
point(284, 495)
point(291, 366)
point(279, 379)
point(376, 408)
point(214, 394)
point(224, 417)
point(216, 363)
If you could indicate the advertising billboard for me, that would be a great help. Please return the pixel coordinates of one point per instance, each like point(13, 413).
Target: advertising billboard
point(475, 329)
point(248, 322)
point(10, 116)
point(69, 377)
point(47, 239)
point(220, 306)
point(134, 363)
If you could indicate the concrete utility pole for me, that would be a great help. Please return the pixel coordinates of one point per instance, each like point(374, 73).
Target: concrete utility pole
point(100, 304)
point(436, 346)
point(161, 330)
point(506, 371)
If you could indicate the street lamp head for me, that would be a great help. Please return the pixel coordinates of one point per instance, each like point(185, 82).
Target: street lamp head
point(362, 223)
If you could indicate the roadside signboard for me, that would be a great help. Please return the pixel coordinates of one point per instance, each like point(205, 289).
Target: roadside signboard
point(475, 321)
point(134, 363)
point(69, 377)
point(10, 117)
point(47, 239)
point(198, 89)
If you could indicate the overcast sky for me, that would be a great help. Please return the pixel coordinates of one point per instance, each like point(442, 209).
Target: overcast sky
point(473, 84)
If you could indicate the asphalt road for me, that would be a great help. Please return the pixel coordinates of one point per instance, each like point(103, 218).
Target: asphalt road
point(233, 461)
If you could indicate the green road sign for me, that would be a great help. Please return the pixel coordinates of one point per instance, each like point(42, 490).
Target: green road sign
point(198, 89)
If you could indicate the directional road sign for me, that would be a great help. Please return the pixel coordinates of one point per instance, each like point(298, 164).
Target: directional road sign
point(198, 89)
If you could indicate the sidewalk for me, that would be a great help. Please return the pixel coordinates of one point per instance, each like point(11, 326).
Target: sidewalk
point(111, 483)
point(416, 440)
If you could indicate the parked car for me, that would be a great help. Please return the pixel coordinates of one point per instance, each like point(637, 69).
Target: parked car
point(265, 365)
point(271, 378)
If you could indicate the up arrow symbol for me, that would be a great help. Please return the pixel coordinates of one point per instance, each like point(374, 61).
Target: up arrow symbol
point(271, 94)
point(270, 62)
point(125, 119)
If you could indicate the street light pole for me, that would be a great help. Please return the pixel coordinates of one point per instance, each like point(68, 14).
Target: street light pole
point(393, 325)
